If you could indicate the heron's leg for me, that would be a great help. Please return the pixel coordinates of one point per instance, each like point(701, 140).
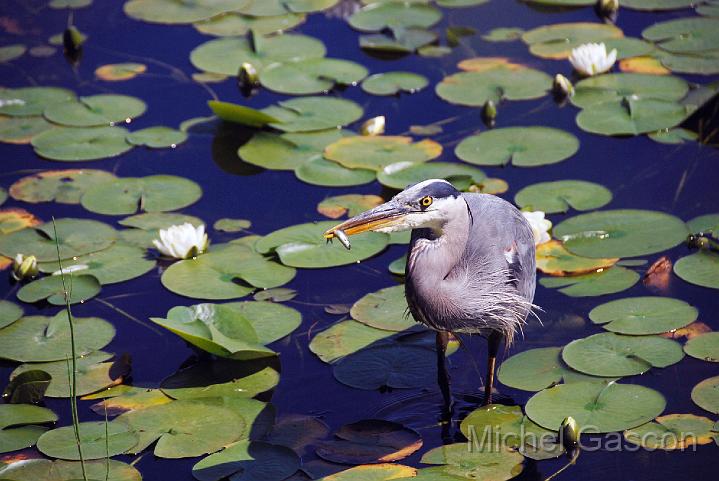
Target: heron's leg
point(442, 339)
point(493, 342)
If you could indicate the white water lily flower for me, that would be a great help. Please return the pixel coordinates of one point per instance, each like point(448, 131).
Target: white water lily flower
point(540, 226)
point(70, 269)
point(182, 241)
point(592, 58)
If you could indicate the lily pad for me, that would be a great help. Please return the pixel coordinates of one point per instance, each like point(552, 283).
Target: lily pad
point(673, 431)
point(92, 374)
point(348, 204)
point(81, 288)
point(394, 15)
point(183, 429)
point(344, 338)
point(234, 24)
point(314, 113)
point(80, 144)
point(385, 309)
point(376, 152)
point(557, 41)
point(403, 41)
point(392, 83)
point(490, 464)
point(95, 111)
point(401, 174)
point(474, 89)
point(394, 366)
point(18, 425)
point(373, 472)
point(214, 275)
point(620, 233)
point(32, 469)
point(311, 76)
point(9, 313)
point(117, 263)
point(597, 408)
point(616, 87)
point(13, 220)
point(503, 34)
point(43, 338)
point(28, 387)
point(251, 460)
point(9, 53)
point(370, 441)
point(157, 137)
point(231, 225)
point(173, 12)
point(320, 171)
point(240, 114)
point(701, 269)
point(117, 72)
point(220, 378)
point(643, 315)
point(298, 432)
point(62, 186)
point(673, 136)
point(278, 7)
point(521, 146)
point(631, 117)
point(226, 55)
point(21, 130)
point(607, 281)
point(98, 440)
point(685, 35)
point(560, 196)
point(154, 193)
point(304, 245)
point(610, 354)
point(555, 260)
point(704, 347)
point(31, 101)
point(706, 394)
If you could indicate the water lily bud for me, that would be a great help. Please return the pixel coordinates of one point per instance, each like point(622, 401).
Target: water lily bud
point(569, 433)
point(608, 7)
point(373, 126)
point(72, 39)
point(24, 267)
point(247, 76)
point(562, 86)
point(490, 110)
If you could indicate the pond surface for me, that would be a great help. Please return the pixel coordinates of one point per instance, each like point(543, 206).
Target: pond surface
point(641, 174)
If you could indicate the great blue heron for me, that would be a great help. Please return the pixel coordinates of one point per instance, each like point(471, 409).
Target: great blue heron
point(470, 268)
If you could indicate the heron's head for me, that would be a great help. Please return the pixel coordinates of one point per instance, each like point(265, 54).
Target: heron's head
point(429, 204)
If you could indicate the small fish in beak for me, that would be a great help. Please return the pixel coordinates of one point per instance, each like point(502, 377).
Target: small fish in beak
point(344, 240)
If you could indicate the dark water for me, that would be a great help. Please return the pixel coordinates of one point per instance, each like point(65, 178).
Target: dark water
point(640, 173)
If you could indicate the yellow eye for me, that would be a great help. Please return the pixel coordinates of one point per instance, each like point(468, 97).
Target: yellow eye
point(425, 201)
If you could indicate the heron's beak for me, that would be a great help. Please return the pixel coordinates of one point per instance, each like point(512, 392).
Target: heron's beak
point(383, 216)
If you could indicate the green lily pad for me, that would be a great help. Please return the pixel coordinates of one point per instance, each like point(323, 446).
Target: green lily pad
point(154, 193)
point(298, 432)
point(557, 41)
point(372, 472)
point(701, 63)
point(18, 425)
point(95, 111)
point(706, 394)
point(394, 365)
point(349, 204)
point(62, 186)
point(401, 174)
point(173, 12)
point(394, 15)
point(30, 101)
point(231, 225)
point(610, 354)
point(288, 151)
point(33, 469)
point(240, 114)
point(80, 144)
point(42, 338)
point(3, 195)
point(9, 313)
point(620, 233)
point(474, 89)
point(92, 374)
point(607, 281)
point(98, 440)
point(314, 113)
point(597, 408)
point(76, 237)
point(157, 137)
point(28, 387)
point(251, 460)
point(278, 7)
point(392, 83)
point(673, 136)
point(226, 55)
point(658, 4)
point(304, 246)
point(704, 347)
point(561, 195)
point(183, 428)
point(644, 315)
point(320, 171)
point(21, 130)
point(503, 34)
point(522, 146)
point(615, 87)
point(214, 275)
point(537, 369)
point(673, 431)
point(460, 3)
point(701, 269)
point(220, 378)
point(258, 417)
point(9, 53)
point(490, 464)
point(81, 287)
point(385, 309)
point(401, 41)
point(233, 24)
point(118, 72)
point(398, 266)
point(685, 35)
point(627, 47)
point(344, 338)
point(311, 76)
point(376, 152)
point(117, 263)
